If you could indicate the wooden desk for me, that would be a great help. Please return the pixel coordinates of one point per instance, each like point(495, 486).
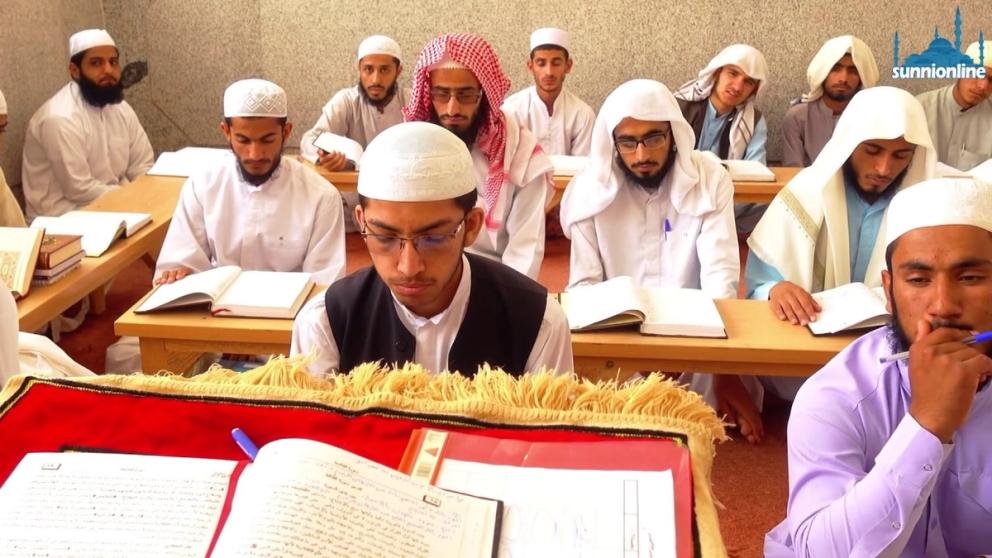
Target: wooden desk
point(764, 192)
point(156, 195)
point(758, 343)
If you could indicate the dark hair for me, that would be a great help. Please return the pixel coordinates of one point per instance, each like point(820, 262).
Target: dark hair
point(282, 120)
point(888, 254)
point(548, 47)
point(465, 202)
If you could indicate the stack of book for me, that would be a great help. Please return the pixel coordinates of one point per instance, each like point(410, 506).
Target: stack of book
point(59, 254)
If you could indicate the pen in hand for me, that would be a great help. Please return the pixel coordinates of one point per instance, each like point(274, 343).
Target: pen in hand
point(245, 443)
point(971, 340)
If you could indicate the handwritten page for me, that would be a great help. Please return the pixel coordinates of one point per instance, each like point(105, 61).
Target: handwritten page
point(108, 505)
point(849, 306)
point(623, 514)
point(303, 498)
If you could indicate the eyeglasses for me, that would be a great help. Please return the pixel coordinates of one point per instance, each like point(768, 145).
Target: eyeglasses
point(464, 96)
point(424, 244)
point(651, 141)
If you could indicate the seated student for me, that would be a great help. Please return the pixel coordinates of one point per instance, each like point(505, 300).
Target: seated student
point(893, 458)
point(821, 230)
point(10, 211)
point(843, 66)
point(719, 105)
point(561, 120)
point(648, 206)
point(459, 84)
point(64, 167)
point(960, 115)
point(425, 300)
point(257, 209)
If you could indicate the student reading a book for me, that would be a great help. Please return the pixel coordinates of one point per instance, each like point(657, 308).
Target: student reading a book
point(821, 230)
point(255, 209)
point(893, 459)
point(648, 206)
point(10, 211)
point(86, 140)
point(426, 300)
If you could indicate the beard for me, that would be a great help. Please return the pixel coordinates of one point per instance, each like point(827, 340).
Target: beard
point(650, 182)
point(378, 103)
point(468, 135)
point(257, 179)
point(841, 97)
point(100, 95)
point(851, 177)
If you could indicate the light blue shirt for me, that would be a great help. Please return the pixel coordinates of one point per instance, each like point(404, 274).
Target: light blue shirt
point(863, 223)
point(709, 136)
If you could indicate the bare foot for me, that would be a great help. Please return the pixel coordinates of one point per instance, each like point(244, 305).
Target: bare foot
point(734, 401)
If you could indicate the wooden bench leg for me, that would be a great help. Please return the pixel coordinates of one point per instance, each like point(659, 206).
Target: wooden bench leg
point(98, 300)
point(155, 357)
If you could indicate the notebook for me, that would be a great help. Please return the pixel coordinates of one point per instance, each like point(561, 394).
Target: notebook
point(849, 307)
point(230, 291)
point(657, 311)
point(99, 229)
point(332, 142)
point(741, 170)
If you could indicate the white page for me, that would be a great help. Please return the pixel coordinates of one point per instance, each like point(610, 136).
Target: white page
point(133, 220)
point(302, 498)
point(686, 312)
point(330, 143)
point(210, 283)
point(588, 304)
point(568, 165)
point(848, 305)
point(564, 513)
point(265, 290)
point(187, 161)
point(98, 234)
point(743, 170)
point(106, 505)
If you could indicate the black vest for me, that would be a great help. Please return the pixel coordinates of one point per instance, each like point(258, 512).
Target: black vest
point(695, 114)
point(502, 319)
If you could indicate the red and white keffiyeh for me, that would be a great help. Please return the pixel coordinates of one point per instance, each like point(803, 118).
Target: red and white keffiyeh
point(478, 56)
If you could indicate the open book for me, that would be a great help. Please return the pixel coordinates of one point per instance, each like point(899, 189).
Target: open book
point(850, 306)
point(298, 498)
point(99, 229)
point(742, 170)
point(332, 142)
point(19, 248)
point(568, 165)
point(659, 311)
point(232, 292)
point(187, 161)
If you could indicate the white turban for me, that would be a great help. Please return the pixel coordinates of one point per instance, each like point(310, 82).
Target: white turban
point(416, 162)
point(379, 44)
point(89, 38)
point(831, 52)
point(255, 97)
point(549, 36)
point(977, 55)
point(3, 104)
point(939, 202)
point(596, 187)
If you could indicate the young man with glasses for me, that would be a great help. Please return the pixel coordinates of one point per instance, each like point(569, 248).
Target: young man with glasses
point(425, 300)
point(648, 206)
point(459, 84)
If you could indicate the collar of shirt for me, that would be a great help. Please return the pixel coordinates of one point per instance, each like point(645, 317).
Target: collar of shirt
point(454, 313)
point(712, 115)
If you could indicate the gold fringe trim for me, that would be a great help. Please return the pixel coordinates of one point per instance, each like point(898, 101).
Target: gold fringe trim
point(653, 403)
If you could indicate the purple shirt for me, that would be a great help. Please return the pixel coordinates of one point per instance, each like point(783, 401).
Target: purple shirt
point(865, 479)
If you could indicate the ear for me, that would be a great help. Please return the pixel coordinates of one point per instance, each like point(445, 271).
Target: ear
point(568, 65)
point(359, 214)
point(474, 221)
point(530, 65)
point(887, 285)
point(287, 129)
point(226, 130)
point(399, 69)
point(74, 71)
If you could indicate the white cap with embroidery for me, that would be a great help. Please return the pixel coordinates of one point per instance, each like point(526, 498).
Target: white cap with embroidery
point(255, 97)
point(89, 38)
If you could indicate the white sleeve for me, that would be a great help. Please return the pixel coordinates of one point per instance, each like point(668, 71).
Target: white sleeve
point(312, 332)
point(65, 150)
point(582, 140)
point(716, 246)
point(553, 346)
point(333, 118)
point(586, 264)
point(525, 227)
point(186, 242)
point(326, 251)
point(140, 156)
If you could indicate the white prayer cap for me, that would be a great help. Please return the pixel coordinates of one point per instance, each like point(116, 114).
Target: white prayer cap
point(3, 104)
point(89, 38)
point(939, 202)
point(379, 44)
point(416, 162)
point(828, 55)
point(977, 55)
point(549, 36)
point(254, 97)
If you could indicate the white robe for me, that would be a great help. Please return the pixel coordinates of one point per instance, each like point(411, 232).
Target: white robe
point(75, 152)
point(568, 131)
point(963, 138)
point(434, 336)
point(348, 114)
point(628, 238)
point(292, 222)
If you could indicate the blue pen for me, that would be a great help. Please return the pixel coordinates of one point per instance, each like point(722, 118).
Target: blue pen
point(245, 443)
point(668, 227)
point(977, 338)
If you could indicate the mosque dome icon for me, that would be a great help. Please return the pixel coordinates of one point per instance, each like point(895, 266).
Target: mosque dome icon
point(940, 53)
